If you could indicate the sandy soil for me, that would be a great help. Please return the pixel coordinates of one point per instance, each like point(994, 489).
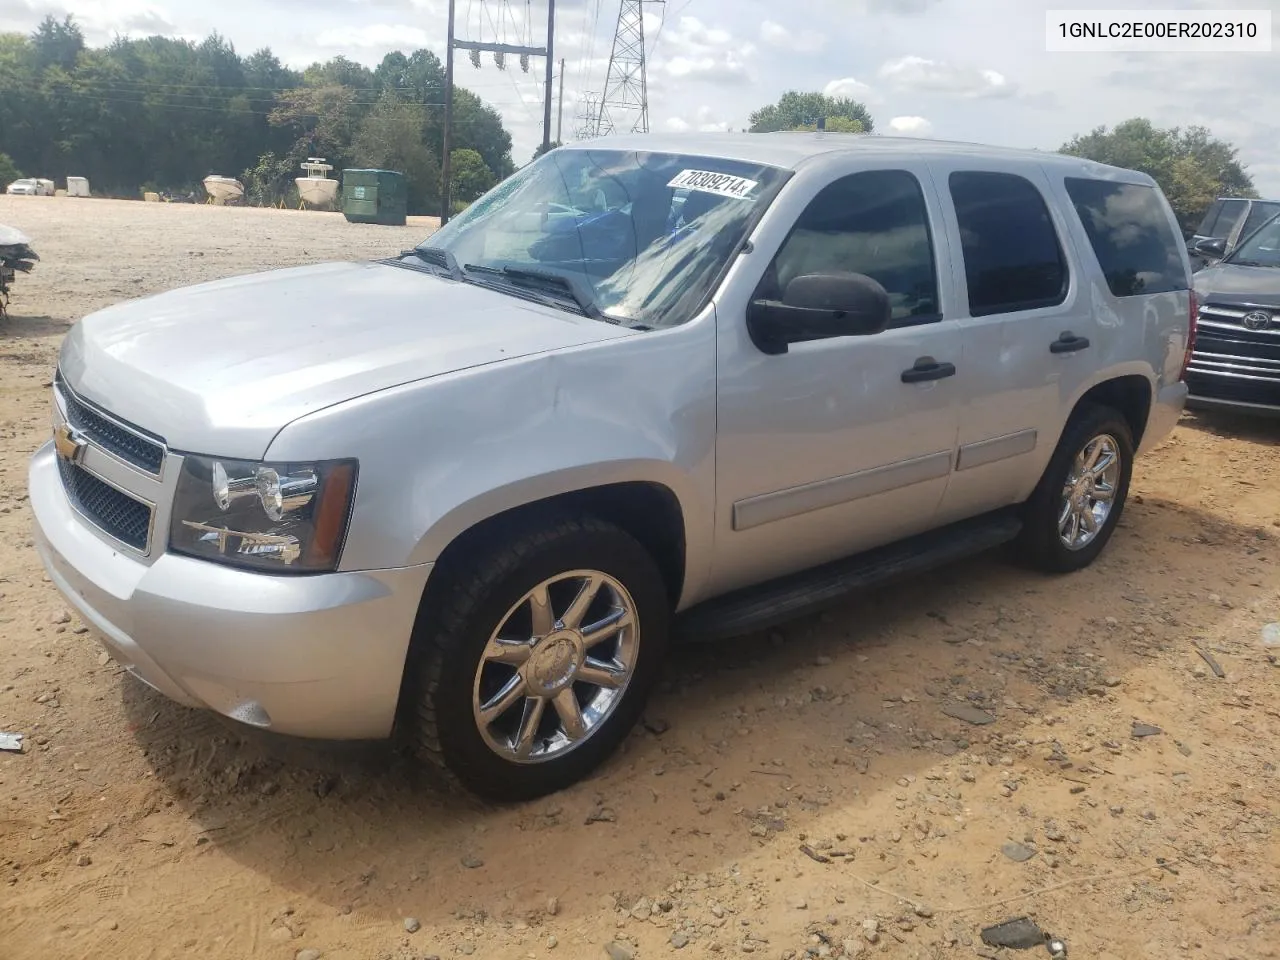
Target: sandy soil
point(806, 792)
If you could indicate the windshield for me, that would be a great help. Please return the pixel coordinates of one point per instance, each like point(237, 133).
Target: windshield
point(645, 235)
point(1262, 249)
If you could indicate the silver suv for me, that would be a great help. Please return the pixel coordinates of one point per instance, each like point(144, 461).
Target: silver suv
point(471, 491)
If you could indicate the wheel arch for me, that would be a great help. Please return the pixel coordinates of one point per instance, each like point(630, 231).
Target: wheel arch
point(641, 502)
point(1129, 389)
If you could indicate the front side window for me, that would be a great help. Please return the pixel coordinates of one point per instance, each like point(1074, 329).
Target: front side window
point(647, 235)
point(1012, 258)
point(1130, 232)
point(873, 223)
point(1262, 249)
point(1259, 213)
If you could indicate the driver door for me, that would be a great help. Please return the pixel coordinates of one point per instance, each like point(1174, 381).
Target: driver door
point(828, 450)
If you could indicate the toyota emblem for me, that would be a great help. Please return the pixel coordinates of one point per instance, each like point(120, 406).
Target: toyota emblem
point(1257, 320)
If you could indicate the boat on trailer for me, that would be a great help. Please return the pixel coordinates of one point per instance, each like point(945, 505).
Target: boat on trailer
point(223, 189)
point(317, 188)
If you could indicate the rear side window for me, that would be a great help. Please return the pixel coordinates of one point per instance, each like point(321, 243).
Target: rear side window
point(1260, 214)
point(1228, 216)
point(1210, 218)
point(1127, 225)
point(1012, 257)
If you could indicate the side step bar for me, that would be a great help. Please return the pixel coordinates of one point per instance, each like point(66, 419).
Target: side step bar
point(779, 601)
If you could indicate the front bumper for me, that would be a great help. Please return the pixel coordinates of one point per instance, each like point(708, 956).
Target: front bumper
point(1247, 393)
point(314, 656)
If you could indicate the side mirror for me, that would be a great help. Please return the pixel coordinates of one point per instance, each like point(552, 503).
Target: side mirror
point(819, 306)
point(1215, 248)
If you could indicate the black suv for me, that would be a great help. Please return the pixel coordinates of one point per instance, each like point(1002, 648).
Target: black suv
point(1228, 221)
point(1236, 359)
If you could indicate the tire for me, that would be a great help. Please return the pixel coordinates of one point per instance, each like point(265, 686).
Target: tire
point(447, 685)
point(1041, 544)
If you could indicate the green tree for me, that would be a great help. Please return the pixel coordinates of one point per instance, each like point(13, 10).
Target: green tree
point(802, 111)
point(57, 43)
point(338, 72)
point(1192, 167)
point(391, 138)
point(324, 117)
point(476, 126)
point(834, 125)
point(543, 148)
point(164, 112)
point(270, 180)
point(9, 171)
point(469, 176)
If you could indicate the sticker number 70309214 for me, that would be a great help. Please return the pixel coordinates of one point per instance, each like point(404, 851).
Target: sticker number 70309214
point(721, 184)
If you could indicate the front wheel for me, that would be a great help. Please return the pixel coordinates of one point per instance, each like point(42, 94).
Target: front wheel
point(539, 660)
point(1077, 504)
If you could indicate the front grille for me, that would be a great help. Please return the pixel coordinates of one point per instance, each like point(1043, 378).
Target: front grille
point(1231, 315)
point(129, 445)
point(116, 514)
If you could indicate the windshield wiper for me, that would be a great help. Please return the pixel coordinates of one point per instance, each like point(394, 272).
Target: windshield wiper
point(438, 257)
point(561, 283)
point(1250, 263)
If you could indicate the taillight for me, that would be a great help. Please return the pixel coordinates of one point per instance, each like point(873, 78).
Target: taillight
point(1191, 335)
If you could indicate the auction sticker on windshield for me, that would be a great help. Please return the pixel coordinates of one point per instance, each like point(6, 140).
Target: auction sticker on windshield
point(721, 184)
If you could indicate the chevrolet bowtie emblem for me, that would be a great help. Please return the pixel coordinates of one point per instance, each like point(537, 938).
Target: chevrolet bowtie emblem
point(68, 443)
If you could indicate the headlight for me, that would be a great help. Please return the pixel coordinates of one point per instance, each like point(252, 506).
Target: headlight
point(286, 517)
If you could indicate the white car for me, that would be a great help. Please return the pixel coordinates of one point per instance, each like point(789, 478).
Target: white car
point(31, 187)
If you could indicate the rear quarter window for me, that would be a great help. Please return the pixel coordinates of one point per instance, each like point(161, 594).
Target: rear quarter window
point(1130, 232)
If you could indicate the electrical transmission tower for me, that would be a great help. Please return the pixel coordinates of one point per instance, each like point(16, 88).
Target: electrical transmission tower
point(588, 114)
point(624, 105)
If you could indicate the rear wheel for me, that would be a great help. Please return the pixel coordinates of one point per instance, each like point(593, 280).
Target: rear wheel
point(539, 660)
point(1077, 504)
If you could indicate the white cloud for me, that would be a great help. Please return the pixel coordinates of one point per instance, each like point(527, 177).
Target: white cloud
point(702, 53)
point(911, 126)
point(382, 36)
point(803, 41)
point(705, 120)
point(920, 74)
point(852, 89)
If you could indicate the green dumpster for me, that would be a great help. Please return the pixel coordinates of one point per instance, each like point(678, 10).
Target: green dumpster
point(374, 196)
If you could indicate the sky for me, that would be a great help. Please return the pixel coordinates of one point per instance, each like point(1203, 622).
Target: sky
point(972, 70)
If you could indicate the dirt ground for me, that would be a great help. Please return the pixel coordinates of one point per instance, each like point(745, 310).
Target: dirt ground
point(805, 792)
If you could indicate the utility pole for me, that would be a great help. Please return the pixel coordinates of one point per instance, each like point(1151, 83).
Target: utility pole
point(454, 43)
point(546, 105)
point(446, 191)
point(560, 112)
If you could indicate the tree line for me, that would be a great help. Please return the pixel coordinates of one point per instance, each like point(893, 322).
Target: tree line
point(162, 114)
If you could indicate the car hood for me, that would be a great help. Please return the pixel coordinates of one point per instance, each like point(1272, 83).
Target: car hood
point(221, 367)
point(1231, 284)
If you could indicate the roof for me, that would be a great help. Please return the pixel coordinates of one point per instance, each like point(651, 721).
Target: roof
point(789, 150)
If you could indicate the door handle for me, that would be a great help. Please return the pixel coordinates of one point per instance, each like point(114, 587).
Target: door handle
point(1068, 342)
point(927, 368)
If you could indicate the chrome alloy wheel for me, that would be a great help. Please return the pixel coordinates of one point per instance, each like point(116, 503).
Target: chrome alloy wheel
point(1089, 492)
point(556, 667)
